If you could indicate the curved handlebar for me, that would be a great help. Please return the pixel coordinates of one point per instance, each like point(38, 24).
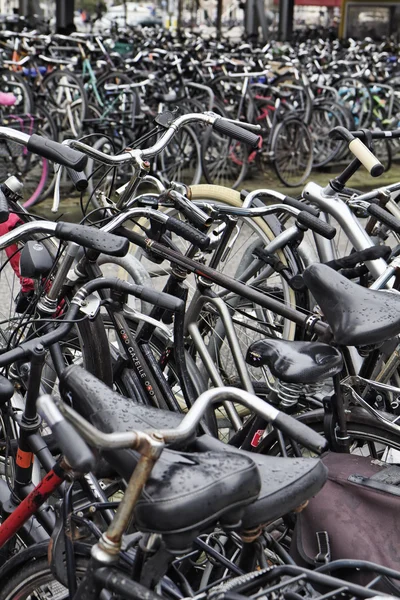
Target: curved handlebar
point(295, 429)
point(139, 155)
point(88, 237)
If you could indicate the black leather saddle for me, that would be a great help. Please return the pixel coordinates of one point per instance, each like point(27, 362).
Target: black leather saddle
point(295, 362)
point(357, 316)
point(188, 491)
point(286, 483)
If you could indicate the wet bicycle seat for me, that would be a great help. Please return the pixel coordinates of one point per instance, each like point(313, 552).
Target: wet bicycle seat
point(187, 491)
point(103, 407)
point(356, 315)
point(295, 362)
point(286, 483)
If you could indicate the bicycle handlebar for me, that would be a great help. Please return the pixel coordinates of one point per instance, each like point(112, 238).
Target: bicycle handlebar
point(139, 155)
point(290, 426)
point(360, 151)
point(95, 239)
point(54, 151)
point(161, 299)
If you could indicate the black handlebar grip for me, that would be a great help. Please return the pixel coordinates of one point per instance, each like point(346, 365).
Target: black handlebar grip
point(188, 232)
point(79, 179)
point(299, 432)
point(160, 299)
point(73, 447)
point(301, 205)
point(92, 238)
point(315, 224)
point(384, 217)
point(4, 210)
point(236, 132)
point(56, 152)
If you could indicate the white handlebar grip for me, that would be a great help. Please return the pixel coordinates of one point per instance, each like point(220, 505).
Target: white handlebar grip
point(366, 157)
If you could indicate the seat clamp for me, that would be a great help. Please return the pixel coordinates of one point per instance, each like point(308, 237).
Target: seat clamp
point(310, 323)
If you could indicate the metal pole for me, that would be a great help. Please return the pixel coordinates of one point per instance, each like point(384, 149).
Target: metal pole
point(65, 16)
point(219, 16)
point(286, 10)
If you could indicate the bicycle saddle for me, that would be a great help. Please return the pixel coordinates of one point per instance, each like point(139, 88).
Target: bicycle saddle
point(357, 316)
point(186, 492)
point(285, 482)
point(295, 362)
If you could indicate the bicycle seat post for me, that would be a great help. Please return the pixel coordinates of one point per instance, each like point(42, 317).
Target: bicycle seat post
point(149, 446)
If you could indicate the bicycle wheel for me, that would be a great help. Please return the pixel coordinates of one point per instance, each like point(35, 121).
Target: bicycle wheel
point(368, 437)
point(39, 173)
point(15, 160)
point(181, 159)
point(65, 98)
point(295, 95)
point(249, 231)
point(116, 99)
point(325, 149)
point(14, 83)
point(355, 95)
point(250, 321)
point(34, 579)
point(224, 161)
point(292, 150)
point(17, 302)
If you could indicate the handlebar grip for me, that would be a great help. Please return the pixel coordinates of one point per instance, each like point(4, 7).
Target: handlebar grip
point(189, 233)
point(384, 217)
point(236, 132)
point(317, 225)
point(299, 432)
point(160, 299)
point(56, 152)
point(4, 210)
point(300, 205)
point(79, 179)
point(73, 447)
point(366, 157)
point(92, 238)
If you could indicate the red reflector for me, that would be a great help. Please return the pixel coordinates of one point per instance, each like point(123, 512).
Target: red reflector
point(257, 437)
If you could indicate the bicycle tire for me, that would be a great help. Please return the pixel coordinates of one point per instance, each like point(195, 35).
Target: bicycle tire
point(299, 98)
point(35, 577)
point(181, 161)
point(14, 83)
point(361, 427)
point(324, 118)
point(233, 198)
point(224, 162)
point(292, 140)
point(64, 93)
point(47, 178)
point(124, 106)
point(355, 94)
